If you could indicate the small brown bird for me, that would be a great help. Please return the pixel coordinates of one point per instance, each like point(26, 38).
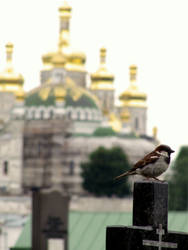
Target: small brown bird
point(153, 164)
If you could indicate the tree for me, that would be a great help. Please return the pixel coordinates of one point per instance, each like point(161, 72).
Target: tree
point(99, 172)
point(178, 184)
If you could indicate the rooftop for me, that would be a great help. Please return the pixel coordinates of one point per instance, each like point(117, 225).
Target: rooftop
point(88, 229)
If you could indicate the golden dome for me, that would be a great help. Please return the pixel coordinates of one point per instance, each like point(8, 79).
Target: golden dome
point(66, 56)
point(9, 79)
point(58, 60)
point(102, 78)
point(133, 96)
point(75, 61)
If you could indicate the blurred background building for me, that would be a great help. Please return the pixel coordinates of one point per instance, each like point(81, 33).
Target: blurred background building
point(47, 132)
point(67, 94)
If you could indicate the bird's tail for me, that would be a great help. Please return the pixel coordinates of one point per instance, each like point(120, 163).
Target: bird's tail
point(124, 174)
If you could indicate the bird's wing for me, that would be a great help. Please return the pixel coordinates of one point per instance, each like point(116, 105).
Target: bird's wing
point(148, 159)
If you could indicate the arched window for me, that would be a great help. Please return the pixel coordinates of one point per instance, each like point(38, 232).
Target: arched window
point(5, 167)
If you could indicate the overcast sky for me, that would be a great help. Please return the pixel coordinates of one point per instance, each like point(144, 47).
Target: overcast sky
point(151, 34)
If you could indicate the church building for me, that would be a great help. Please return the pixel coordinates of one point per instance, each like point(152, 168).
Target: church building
point(64, 93)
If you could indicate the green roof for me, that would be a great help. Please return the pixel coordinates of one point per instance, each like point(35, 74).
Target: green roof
point(88, 229)
point(74, 96)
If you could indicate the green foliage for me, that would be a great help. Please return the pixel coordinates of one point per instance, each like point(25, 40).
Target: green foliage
point(104, 132)
point(178, 185)
point(99, 172)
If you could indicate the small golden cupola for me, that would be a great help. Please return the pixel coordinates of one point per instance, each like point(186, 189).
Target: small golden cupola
point(10, 81)
point(72, 60)
point(58, 58)
point(132, 96)
point(75, 60)
point(102, 79)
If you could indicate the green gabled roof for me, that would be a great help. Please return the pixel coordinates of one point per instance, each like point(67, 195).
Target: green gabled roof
point(88, 229)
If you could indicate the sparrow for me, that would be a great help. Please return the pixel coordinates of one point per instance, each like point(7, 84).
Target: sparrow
point(153, 164)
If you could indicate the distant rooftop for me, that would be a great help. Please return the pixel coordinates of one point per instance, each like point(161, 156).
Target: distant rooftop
point(88, 229)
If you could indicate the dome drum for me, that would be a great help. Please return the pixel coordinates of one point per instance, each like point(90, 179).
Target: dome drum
point(99, 77)
point(135, 96)
point(13, 80)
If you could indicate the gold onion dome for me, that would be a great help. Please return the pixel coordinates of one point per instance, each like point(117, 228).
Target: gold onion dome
point(133, 96)
point(58, 59)
point(102, 78)
point(75, 61)
point(9, 78)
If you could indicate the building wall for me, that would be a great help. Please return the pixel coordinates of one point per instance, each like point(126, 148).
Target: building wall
point(51, 157)
point(11, 149)
point(138, 119)
point(7, 101)
point(106, 98)
point(78, 76)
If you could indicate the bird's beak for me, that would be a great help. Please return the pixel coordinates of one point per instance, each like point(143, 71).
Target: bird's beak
point(172, 151)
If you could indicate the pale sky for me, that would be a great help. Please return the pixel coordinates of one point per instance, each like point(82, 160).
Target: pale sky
point(151, 34)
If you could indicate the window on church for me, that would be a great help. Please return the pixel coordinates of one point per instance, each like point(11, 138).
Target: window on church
point(42, 114)
point(78, 115)
point(5, 167)
point(69, 114)
point(33, 114)
point(26, 114)
point(71, 168)
point(93, 116)
point(136, 123)
point(86, 115)
point(51, 114)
